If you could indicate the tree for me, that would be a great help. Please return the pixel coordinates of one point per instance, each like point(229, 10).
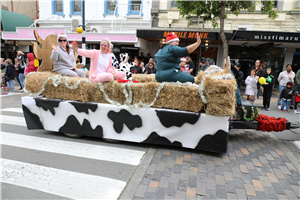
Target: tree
point(213, 10)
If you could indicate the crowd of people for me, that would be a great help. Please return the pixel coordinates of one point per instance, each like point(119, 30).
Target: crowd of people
point(17, 69)
point(288, 96)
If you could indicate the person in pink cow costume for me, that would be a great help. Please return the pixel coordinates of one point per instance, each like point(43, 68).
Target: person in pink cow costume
point(101, 69)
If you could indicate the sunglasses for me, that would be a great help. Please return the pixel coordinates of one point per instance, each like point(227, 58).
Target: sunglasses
point(62, 40)
point(103, 45)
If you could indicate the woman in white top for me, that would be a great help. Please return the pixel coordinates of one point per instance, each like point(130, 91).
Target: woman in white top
point(251, 88)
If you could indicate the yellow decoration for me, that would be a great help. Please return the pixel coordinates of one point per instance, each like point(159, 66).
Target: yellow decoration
point(262, 80)
point(36, 63)
point(79, 30)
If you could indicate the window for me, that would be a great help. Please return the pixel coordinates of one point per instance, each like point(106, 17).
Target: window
point(174, 4)
point(275, 4)
point(135, 8)
point(58, 7)
point(110, 7)
point(75, 8)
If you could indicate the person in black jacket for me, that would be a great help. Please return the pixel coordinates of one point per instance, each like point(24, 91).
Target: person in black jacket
point(268, 87)
point(241, 76)
point(10, 75)
point(136, 69)
point(286, 96)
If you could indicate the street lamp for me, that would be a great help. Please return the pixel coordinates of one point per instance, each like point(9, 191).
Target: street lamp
point(81, 29)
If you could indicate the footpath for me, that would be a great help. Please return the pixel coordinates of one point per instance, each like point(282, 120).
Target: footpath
point(257, 165)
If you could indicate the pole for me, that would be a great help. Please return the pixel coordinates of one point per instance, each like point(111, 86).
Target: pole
point(83, 33)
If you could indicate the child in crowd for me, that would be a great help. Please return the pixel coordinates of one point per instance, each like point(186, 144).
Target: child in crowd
point(297, 99)
point(82, 67)
point(286, 96)
point(251, 88)
point(182, 64)
point(268, 86)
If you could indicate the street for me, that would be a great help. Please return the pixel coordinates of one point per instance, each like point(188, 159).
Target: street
point(47, 165)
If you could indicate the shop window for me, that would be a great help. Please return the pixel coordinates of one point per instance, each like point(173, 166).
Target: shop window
point(275, 4)
point(58, 8)
point(75, 8)
point(174, 4)
point(110, 8)
point(135, 8)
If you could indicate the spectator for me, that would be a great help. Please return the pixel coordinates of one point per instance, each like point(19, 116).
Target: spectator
point(17, 69)
point(115, 62)
point(3, 72)
point(141, 57)
point(283, 78)
point(142, 65)
point(152, 60)
point(286, 95)
point(256, 66)
point(147, 59)
point(151, 69)
point(240, 78)
point(191, 65)
point(10, 75)
point(82, 67)
point(251, 87)
point(22, 66)
point(297, 99)
point(136, 69)
point(202, 66)
point(183, 63)
point(30, 67)
point(268, 86)
point(297, 77)
point(259, 73)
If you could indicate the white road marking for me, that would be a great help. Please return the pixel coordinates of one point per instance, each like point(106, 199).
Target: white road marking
point(17, 110)
point(60, 182)
point(20, 121)
point(297, 143)
point(98, 152)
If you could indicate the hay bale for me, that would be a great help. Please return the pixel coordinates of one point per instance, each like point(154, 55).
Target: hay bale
point(175, 97)
point(144, 78)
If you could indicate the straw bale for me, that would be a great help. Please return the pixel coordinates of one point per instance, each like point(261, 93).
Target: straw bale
point(176, 97)
point(143, 78)
point(35, 80)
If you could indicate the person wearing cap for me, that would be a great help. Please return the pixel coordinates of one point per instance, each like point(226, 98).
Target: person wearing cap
point(286, 96)
point(168, 59)
point(283, 78)
point(63, 58)
point(101, 69)
point(191, 65)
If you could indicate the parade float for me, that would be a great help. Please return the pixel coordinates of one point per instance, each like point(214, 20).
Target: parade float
point(191, 115)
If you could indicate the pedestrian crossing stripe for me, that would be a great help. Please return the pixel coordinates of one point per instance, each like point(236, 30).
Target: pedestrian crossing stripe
point(12, 120)
point(64, 183)
point(91, 151)
point(17, 110)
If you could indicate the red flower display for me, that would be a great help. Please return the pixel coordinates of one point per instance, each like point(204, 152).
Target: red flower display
point(269, 124)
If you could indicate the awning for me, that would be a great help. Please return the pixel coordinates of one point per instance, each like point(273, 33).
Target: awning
point(11, 20)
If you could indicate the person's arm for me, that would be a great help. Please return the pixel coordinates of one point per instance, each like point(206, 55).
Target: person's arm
point(297, 78)
point(54, 55)
point(279, 77)
point(194, 46)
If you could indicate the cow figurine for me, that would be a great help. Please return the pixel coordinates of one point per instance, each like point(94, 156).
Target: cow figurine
point(125, 66)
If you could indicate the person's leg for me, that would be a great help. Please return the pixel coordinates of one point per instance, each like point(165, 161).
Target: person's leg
point(280, 89)
point(80, 73)
point(265, 98)
point(17, 76)
point(11, 84)
point(67, 72)
point(288, 102)
point(22, 77)
point(119, 75)
point(283, 104)
point(106, 77)
point(238, 97)
point(181, 77)
point(258, 90)
point(268, 98)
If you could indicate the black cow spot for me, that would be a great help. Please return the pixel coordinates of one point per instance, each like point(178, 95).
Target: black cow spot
point(72, 125)
point(124, 117)
point(170, 118)
point(84, 107)
point(32, 120)
point(154, 138)
point(215, 143)
point(47, 104)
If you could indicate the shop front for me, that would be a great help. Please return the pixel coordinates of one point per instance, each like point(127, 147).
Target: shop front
point(277, 49)
point(209, 51)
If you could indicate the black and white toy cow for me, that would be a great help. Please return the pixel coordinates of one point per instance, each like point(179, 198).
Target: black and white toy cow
point(125, 66)
point(142, 125)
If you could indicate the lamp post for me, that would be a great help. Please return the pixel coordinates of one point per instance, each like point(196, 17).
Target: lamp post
point(83, 33)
